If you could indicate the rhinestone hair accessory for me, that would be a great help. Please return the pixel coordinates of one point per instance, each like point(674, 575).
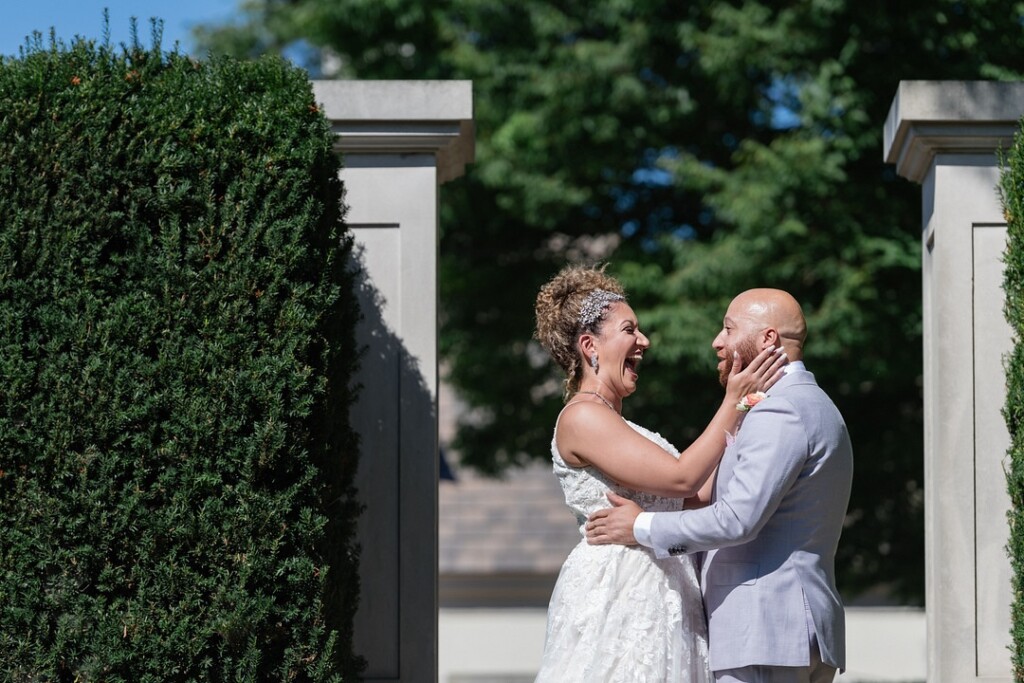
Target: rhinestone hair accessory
point(594, 305)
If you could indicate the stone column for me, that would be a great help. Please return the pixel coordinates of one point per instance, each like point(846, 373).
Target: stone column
point(400, 140)
point(944, 135)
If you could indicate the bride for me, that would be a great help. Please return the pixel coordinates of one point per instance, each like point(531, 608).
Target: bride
point(617, 613)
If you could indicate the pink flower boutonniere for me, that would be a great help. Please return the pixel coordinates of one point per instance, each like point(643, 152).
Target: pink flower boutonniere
point(750, 400)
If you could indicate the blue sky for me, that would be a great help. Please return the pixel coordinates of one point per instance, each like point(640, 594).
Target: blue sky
point(19, 18)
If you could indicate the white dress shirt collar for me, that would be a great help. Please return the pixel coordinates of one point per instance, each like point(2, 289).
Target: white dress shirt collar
point(793, 366)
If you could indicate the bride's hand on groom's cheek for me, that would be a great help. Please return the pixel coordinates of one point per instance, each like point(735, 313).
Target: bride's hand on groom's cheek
point(759, 374)
point(613, 525)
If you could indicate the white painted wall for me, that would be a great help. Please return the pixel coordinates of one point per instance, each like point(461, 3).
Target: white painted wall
point(884, 645)
point(944, 135)
point(400, 140)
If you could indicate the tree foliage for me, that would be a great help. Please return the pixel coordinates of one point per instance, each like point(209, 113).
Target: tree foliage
point(176, 319)
point(701, 148)
point(1012, 194)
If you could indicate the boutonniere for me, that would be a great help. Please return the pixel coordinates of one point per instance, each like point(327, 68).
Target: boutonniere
point(750, 400)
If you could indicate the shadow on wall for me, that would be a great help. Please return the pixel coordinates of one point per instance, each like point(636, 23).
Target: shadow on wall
point(395, 417)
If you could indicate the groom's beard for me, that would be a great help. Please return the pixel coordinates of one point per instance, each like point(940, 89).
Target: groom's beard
point(748, 351)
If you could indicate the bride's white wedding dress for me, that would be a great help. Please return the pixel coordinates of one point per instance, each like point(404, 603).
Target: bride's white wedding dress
point(618, 614)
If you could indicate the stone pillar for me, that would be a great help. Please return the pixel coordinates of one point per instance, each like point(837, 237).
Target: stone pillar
point(400, 140)
point(944, 135)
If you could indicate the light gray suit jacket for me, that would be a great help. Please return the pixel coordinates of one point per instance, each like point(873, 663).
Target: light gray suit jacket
point(772, 530)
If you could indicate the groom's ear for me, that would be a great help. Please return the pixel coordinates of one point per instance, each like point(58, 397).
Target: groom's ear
point(770, 337)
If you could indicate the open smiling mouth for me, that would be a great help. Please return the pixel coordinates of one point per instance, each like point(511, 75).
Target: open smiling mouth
point(632, 362)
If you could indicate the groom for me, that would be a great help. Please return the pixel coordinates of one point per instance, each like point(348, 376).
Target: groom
point(771, 531)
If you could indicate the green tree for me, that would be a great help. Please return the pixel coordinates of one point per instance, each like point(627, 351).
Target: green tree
point(701, 148)
point(177, 324)
point(1012, 192)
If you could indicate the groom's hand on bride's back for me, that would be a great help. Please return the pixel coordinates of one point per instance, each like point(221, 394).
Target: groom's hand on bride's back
point(615, 524)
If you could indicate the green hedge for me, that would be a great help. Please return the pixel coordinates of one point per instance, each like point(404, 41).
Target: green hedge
point(1013, 284)
point(176, 348)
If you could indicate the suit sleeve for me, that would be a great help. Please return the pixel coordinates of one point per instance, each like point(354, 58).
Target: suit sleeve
point(770, 452)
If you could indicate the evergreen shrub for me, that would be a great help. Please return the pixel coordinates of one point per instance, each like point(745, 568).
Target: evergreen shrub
point(1012, 192)
point(176, 348)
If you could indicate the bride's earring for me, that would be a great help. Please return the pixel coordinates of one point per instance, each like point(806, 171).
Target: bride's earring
point(593, 362)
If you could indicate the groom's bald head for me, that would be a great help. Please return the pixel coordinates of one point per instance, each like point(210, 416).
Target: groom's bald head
point(774, 317)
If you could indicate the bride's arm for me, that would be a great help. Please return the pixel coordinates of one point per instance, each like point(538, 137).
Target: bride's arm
point(703, 497)
point(593, 434)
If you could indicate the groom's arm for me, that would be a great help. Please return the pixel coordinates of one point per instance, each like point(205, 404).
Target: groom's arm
point(770, 454)
point(614, 525)
point(771, 449)
point(623, 524)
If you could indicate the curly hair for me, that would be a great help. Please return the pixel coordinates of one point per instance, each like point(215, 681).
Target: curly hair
point(557, 311)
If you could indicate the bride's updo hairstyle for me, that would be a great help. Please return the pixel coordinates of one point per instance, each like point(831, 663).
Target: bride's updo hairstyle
point(573, 302)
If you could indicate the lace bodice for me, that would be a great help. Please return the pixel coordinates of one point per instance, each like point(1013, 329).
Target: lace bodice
point(585, 487)
point(617, 613)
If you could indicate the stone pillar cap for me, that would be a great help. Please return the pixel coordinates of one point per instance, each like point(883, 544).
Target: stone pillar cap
point(959, 117)
point(403, 117)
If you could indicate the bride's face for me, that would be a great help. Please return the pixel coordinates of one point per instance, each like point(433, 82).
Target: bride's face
point(620, 348)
